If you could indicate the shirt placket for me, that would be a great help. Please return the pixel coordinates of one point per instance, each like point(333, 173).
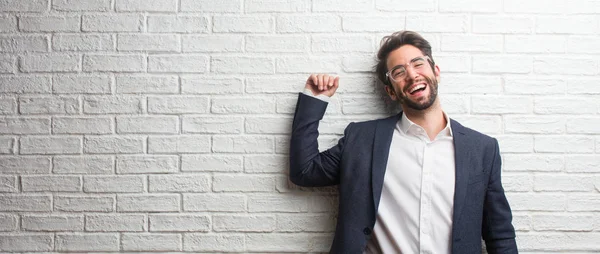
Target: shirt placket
point(425, 244)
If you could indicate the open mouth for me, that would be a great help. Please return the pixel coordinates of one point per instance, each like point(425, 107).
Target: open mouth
point(416, 89)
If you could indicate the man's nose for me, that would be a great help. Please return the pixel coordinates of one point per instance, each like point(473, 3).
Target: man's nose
point(411, 74)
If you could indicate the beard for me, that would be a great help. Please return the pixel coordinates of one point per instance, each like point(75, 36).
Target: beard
point(404, 99)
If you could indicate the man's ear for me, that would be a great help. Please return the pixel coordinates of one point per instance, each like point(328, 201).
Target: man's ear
point(437, 73)
point(391, 93)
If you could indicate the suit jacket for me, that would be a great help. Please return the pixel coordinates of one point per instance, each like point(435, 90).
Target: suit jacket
point(358, 162)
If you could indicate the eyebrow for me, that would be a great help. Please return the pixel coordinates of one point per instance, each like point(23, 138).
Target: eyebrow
point(411, 61)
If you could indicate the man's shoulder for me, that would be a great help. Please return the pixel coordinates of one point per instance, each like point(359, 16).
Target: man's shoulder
point(372, 124)
point(457, 127)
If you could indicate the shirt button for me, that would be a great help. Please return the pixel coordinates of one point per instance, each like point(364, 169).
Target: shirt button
point(367, 231)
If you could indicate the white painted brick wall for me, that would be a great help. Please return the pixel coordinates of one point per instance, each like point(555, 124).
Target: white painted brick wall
point(163, 125)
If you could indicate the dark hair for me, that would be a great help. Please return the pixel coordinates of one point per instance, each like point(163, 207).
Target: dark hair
point(394, 41)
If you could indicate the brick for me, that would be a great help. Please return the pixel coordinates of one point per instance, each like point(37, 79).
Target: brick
point(539, 7)
point(82, 125)
point(141, 164)
point(288, 242)
point(114, 63)
point(151, 242)
point(83, 165)
point(522, 222)
point(455, 104)
point(436, 23)
point(323, 203)
point(362, 105)
point(516, 143)
point(79, 84)
point(48, 105)
point(382, 23)
point(270, 43)
point(268, 125)
point(112, 104)
point(552, 241)
point(242, 65)
point(472, 84)
point(25, 84)
point(8, 184)
point(583, 163)
point(204, 85)
point(308, 23)
point(243, 183)
point(212, 43)
point(147, 84)
point(50, 63)
point(50, 145)
point(25, 203)
point(24, 6)
point(146, 5)
point(49, 23)
point(113, 184)
point(343, 6)
point(537, 202)
point(214, 202)
point(502, 64)
point(577, 24)
point(581, 6)
point(242, 24)
point(308, 64)
point(52, 222)
point(149, 124)
point(115, 223)
point(179, 223)
point(113, 144)
point(8, 63)
point(82, 42)
point(583, 125)
point(342, 44)
point(356, 63)
point(112, 23)
point(211, 163)
point(243, 223)
point(179, 144)
point(582, 44)
point(8, 222)
point(501, 105)
point(148, 203)
point(537, 124)
point(212, 125)
point(493, 24)
point(84, 203)
point(178, 104)
point(51, 183)
point(177, 24)
point(582, 86)
point(282, 145)
point(179, 183)
point(178, 63)
point(565, 105)
point(24, 125)
point(213, 243)
point(243, 144)
point(392, 5)
point(7, 145)
point(87, 242)
point(81, 5)
point(535, 44)
point(563, 183)
point(25, 165)
point(305, 223)
point(529, 162)
point(472, 43)
point(148, 42)
point(23, 43)
point(559, 222)
point(278, 203)
point(242, 105)
point(8, 106)
point(211, 6)
point(517, 182)
point(583, 203)
point(528, 85)
point(266, 164)
point(276, 85)
point(28, 241)
point(471, 6)
point(277, 6)
point(8, 23)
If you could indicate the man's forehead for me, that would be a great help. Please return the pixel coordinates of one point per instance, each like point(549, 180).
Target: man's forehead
point(403, 55)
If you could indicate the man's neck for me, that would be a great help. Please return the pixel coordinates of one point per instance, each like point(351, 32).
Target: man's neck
point(431, 119)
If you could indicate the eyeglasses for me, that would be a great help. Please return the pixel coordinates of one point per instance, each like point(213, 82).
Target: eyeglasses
point(398, 73)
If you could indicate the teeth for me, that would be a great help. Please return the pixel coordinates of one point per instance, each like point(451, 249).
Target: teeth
point(417, 87)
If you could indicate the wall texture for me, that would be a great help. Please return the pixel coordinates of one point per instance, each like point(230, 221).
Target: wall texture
point(162, 125)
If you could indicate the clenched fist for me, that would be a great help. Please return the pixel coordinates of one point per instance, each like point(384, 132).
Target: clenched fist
point(322, 84)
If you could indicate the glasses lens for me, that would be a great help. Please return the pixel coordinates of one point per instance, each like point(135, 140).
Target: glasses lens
point(398, 73)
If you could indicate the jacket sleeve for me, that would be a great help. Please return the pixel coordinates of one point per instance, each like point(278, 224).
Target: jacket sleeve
point(308, 167)
point(498, 231)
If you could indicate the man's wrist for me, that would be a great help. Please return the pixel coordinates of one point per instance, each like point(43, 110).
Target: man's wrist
point(322, 97)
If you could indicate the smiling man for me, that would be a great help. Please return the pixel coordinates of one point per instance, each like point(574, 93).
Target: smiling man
point(416, 182)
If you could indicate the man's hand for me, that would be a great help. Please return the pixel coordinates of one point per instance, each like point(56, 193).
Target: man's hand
point(322, 84)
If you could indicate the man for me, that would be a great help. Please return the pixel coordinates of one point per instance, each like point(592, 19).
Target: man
point(416, 182)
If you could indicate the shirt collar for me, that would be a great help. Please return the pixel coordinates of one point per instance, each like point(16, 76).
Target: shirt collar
point(406, 124)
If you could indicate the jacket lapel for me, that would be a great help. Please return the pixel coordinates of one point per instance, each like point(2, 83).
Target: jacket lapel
point(461, 157)
point(384, 132)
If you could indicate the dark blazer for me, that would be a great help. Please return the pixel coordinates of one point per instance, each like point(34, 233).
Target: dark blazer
point(358, 162)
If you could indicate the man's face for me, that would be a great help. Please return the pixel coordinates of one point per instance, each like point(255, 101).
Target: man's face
point(418, 87)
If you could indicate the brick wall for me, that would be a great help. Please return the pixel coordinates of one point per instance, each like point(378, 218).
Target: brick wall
point(162, 125)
